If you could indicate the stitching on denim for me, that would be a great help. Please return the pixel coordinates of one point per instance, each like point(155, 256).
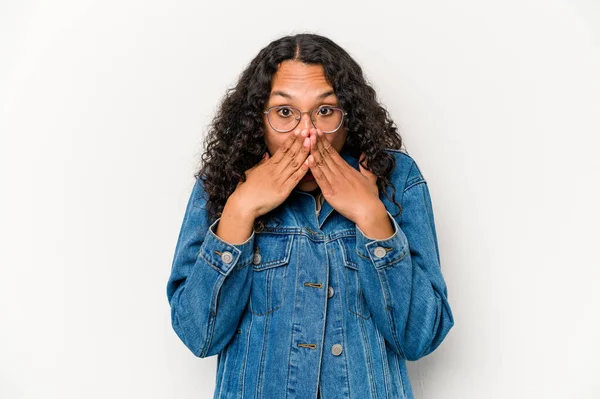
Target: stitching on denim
point(245, 361)
point(271, 271)
point(210, 328)
point(358, 295)
point(262, 363)
point(385, 289)
point(267, 295)
point(411, 185)
point(233, 345)
point(341, 313)
point(392, 323)
point(389, 307)
point(211, 264)
point(237, 343)
point(362, 256)
point(224, 359)
point(385, 365)
point(325, 307)
point(367, 348)
point(345, 254)
point(293, 320)
point(392, 263)
point(215, 295)
point(277, 262)
point(395, 356)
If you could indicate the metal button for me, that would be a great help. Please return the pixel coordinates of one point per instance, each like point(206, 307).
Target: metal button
point(329, 292)
point(227, 257)
point(257, 258)
point(379, 252)
point(336, 349)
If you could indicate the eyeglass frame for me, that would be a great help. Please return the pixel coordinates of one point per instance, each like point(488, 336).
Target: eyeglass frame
point(344, 113)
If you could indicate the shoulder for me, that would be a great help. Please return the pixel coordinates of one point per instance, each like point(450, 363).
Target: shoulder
point(406, 172)
point(199, 195)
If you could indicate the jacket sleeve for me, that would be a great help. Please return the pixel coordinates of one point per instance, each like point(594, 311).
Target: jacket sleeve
point(401, 277)
point(210, 281)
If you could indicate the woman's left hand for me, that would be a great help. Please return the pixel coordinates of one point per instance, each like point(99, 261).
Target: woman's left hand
point(351, 192)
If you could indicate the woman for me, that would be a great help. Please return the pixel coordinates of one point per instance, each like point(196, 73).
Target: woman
point(290, 265)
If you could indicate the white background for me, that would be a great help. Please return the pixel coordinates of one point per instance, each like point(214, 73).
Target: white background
point(103, 105)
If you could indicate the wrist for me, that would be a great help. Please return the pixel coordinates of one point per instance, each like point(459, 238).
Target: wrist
point(375, 222)
point(240, 209)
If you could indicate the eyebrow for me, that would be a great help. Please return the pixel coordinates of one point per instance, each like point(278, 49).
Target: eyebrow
point(287, 95)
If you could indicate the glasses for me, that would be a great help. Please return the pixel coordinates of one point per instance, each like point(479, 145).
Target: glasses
point(326, 118)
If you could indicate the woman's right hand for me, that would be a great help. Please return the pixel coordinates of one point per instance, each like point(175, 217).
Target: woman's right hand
point(270, 182)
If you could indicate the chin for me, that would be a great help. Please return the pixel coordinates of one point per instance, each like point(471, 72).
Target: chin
point(307, 185)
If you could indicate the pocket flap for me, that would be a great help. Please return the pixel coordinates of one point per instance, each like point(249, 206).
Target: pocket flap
point(271, 250)
point(348, 245)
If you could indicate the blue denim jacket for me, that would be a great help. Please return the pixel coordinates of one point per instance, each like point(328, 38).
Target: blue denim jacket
point(311, 305)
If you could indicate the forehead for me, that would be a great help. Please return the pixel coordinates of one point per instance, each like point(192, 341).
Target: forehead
point(295, 75)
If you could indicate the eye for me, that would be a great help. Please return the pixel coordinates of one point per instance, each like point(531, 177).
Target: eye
point(324, 111)
point(285, 112)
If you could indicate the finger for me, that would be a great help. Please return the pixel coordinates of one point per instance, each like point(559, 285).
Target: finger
point(292, 158)
point(301, 156)
point(296, 176)
point(318, 174)
point(288, 158)
point(321, 156)
point(334, 160)
point(285, 147)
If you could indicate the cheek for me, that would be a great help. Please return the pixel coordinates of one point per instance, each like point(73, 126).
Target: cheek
point(274, 141)
point(270, 138)
point(338, 140)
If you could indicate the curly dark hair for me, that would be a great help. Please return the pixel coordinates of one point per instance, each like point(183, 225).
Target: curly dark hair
point(235, 139)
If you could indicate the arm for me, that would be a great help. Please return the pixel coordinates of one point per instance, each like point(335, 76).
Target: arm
point(207, 289)
point(403, 285)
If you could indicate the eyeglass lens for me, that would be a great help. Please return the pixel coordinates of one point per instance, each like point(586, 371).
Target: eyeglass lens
point(284, 119)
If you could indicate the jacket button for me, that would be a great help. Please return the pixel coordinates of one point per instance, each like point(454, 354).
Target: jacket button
point(257, 258)
point(379, 252)
point(227, 257)
point(329, 292)
point(336, 349)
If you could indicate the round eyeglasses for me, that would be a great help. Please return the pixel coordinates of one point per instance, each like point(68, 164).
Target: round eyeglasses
point(284, 119)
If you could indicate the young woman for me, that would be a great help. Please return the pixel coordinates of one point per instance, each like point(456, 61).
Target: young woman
point(308, 258)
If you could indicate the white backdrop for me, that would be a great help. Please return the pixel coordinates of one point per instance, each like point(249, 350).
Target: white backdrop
point(103, 105)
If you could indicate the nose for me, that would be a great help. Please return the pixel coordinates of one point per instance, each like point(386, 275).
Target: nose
point(305, 122)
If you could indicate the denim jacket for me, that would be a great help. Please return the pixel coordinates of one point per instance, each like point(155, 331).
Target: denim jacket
point(310, 306)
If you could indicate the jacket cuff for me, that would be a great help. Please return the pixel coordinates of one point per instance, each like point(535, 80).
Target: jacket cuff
point(382, 252)
point(224, 256)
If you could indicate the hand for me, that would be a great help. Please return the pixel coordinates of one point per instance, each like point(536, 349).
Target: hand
point(353, 193)
point(271, 181)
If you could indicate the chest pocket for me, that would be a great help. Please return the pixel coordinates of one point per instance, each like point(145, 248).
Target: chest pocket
point(355, 300)
point(270, 266)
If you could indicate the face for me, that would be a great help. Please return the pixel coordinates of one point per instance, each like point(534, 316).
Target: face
point(304, 87)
